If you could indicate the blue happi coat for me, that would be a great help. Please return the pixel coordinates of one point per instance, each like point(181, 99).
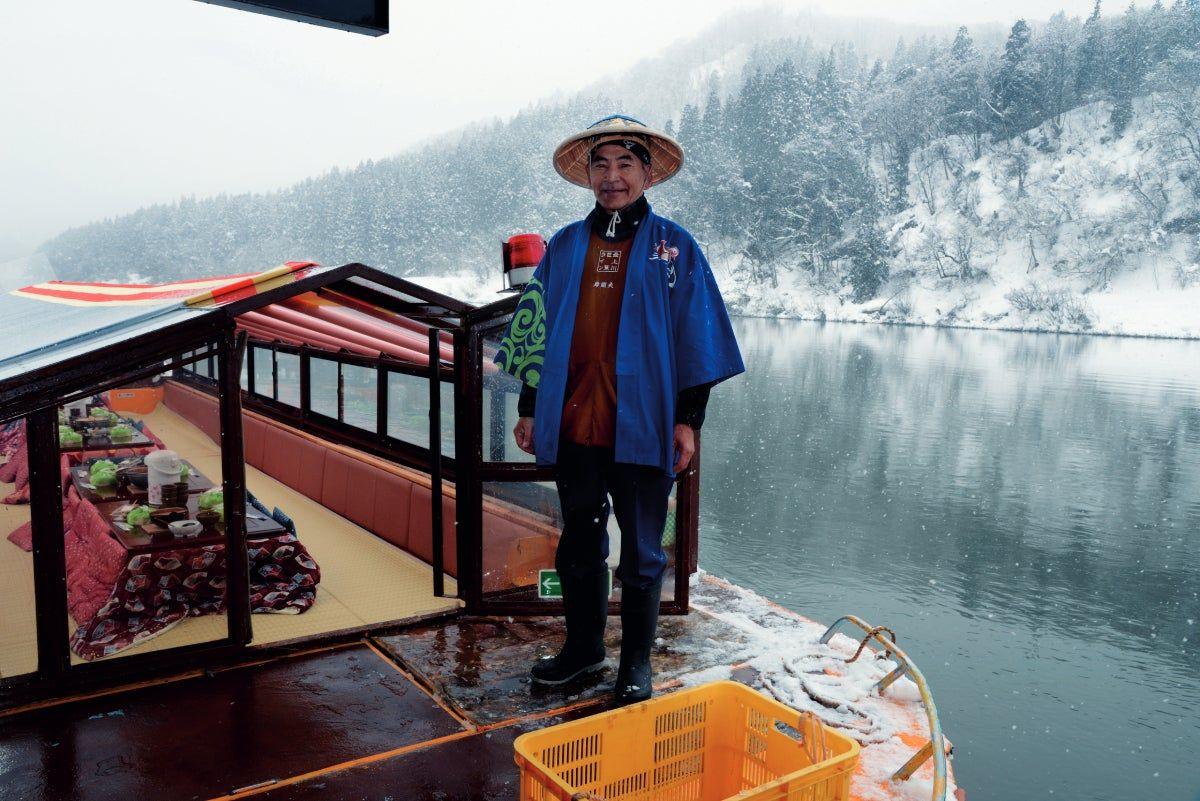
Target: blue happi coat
point(674, 334)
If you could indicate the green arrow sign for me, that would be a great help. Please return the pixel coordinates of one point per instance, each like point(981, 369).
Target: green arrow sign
point(549, 585)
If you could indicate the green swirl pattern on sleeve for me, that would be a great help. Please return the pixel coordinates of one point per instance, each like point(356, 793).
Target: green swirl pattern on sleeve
point(523, 348)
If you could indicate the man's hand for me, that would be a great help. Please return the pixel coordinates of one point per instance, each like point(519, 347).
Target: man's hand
point(523, 433)
point(685, 446)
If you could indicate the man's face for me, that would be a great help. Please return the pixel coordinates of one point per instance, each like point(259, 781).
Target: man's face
point(617, 176)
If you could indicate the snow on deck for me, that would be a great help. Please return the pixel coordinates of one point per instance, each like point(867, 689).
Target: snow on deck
point(783, 649)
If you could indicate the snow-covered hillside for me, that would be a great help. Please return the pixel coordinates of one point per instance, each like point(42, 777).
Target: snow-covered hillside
point(1065, 230)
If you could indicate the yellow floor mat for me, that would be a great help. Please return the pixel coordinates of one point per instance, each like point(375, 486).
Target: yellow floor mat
point(364, 579)
point(18, 633)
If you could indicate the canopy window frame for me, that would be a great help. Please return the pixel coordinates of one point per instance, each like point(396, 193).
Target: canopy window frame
point(54, 672)
point(376, 441)
point(35, 395)
point(443, 316)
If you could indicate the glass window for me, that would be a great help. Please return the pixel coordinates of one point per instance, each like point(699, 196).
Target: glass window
point(499, 408)
point(500, 394)
point(323, 386)
point(359, 399)
point(102, 444)
point(521, 525)
point(287, 370)
point(408, 411)
point(262, 372)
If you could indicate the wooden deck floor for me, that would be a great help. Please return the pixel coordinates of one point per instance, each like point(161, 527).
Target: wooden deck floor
point(427, 715)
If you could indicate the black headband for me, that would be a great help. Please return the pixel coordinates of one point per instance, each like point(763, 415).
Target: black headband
point(634, 146)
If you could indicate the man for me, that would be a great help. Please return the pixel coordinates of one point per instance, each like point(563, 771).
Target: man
point(618, 338)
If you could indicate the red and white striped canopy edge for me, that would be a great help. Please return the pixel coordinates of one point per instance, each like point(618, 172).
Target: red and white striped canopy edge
point(83, 293)
point(79, 293)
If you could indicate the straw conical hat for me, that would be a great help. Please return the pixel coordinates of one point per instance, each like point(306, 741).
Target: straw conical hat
point(571, 157)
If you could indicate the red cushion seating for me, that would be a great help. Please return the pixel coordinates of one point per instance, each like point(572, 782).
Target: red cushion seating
point(390, 501)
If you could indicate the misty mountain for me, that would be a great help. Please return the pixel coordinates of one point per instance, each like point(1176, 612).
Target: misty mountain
point(446, 205)
point(840, 169)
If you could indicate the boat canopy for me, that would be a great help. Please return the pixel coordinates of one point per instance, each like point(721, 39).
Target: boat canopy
point(55, 331)
point(48, 323)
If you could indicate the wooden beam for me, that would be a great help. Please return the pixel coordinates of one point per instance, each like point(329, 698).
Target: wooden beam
point(468, 453)
point(435, 463)
point(687, 527)
point(233, 484)
point(49, 554)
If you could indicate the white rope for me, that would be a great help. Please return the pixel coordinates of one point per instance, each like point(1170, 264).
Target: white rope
point(612, 224)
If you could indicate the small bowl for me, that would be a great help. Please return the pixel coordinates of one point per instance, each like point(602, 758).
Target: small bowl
point(187, 529)
point(138, 476)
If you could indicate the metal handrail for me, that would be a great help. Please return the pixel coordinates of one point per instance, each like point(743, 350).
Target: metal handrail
point(907, 667)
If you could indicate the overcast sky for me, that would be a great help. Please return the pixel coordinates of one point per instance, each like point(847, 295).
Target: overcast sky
point(108, 105)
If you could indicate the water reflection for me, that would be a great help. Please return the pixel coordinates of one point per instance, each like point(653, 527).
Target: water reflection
point(1023, 507)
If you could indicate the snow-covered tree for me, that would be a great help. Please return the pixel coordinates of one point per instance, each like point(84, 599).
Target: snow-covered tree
point(1016, 92)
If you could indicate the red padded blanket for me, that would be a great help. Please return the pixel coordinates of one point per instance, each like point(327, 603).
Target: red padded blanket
point(119, 601)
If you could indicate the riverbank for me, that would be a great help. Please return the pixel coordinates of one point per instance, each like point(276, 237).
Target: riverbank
point(1133, 307)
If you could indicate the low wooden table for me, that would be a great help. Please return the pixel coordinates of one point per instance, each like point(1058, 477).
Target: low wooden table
point(258, 526)
point(105, 443)
point(78, 423)
point(81, 478)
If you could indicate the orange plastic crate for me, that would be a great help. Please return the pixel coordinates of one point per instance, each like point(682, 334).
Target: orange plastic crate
point(718, 741)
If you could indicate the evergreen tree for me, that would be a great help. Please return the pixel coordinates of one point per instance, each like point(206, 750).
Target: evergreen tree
point(873, 78)
point(1091, 62)
point(964, 109)
point(1055, 52)
point(963, 47)
point(1186, 22)
point(1130, 63)
point(1159, 37)
point(868, 257)
point(824, 190)
point(1015, 95)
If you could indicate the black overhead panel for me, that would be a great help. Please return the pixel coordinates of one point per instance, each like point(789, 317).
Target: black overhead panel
point(357, 16)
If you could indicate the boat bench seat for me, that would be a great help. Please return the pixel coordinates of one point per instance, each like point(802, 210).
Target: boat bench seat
point(389, 500)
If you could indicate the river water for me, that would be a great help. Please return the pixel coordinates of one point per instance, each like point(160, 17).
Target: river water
point(1024, 511)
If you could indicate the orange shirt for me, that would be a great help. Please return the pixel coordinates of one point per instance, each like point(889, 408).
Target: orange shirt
point(590, 412)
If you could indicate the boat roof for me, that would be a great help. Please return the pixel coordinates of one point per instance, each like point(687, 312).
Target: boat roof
point(48, 322)
point(49, 325)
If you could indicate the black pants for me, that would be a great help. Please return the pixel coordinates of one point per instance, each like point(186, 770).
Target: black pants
point(586, 476)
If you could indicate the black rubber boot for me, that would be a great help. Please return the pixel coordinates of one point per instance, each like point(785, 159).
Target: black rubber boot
point(639, 622)
point(585, 608)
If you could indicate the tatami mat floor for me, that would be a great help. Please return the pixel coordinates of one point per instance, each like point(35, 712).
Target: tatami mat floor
point(364, 580)
point(18, 625)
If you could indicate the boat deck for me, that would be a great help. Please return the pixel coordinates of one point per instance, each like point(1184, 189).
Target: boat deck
point(427, 714)
point(430, 714)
